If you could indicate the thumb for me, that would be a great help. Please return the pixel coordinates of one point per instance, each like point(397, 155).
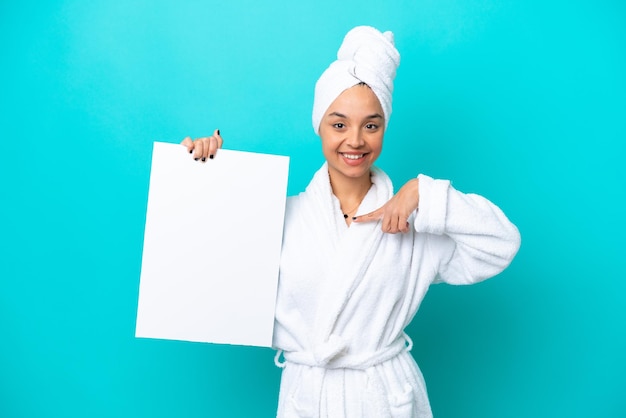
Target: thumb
point(369, 217)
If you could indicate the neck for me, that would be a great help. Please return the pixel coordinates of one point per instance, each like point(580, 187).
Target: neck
point(350, 191)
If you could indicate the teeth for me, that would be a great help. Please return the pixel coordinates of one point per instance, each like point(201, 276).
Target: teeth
point(353, 156)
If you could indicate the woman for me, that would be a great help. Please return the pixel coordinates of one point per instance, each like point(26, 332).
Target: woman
point(357, 260)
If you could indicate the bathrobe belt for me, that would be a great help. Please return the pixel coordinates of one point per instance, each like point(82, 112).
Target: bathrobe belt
point(332, 355)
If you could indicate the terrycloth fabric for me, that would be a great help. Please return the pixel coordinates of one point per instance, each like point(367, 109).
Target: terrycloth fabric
point(366, 55)
point(347, 293)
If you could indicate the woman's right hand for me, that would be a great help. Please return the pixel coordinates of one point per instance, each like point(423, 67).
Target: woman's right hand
point(203, 148)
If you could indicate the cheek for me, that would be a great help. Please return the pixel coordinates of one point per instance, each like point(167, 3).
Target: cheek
point(327, 149)
point(377, 146)
point(329, 143)
point(325, 143)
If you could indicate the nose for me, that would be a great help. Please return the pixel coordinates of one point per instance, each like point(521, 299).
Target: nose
point(355, 138)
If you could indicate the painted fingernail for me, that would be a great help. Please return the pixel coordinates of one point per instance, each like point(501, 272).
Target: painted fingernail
point(203, 159)
point(196, 159)
point(354, 218)
point(190, 151)
point(211, 156)
point(218, 132)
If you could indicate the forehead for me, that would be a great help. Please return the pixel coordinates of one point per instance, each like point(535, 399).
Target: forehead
point(356, 101)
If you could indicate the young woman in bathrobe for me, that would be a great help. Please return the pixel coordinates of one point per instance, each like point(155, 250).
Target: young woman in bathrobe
point(357, 259)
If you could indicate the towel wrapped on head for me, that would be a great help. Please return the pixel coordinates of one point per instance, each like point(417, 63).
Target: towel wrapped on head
point(365, 56)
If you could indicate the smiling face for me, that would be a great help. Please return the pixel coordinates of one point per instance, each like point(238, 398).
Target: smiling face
point(352, 133)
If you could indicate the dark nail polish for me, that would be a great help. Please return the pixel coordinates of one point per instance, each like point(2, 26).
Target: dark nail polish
point(211, 156)
point(203, 159)
point(190, 151)
point(218, 132)
point(196, 159)
point(353, 218)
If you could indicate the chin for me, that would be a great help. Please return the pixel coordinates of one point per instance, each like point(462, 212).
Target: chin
point(356, 173)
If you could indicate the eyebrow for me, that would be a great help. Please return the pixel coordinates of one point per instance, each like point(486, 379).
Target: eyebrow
point(341, 115)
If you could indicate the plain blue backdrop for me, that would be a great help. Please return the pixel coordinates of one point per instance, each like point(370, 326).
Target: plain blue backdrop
point(521, 101)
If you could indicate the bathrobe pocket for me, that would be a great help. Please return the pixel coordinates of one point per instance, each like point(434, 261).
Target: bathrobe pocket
point(402, 403)
point(298, 407)
point(299, 403)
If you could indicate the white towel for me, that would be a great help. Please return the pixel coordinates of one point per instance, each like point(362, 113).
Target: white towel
point(366, 55)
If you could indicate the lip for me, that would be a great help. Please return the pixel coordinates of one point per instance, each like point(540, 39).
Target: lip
point(353, 158)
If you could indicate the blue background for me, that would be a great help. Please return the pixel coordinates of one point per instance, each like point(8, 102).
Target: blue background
point(521, 101)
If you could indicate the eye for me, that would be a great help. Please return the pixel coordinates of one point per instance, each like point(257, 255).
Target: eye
point(338, 125)
point(371, 126)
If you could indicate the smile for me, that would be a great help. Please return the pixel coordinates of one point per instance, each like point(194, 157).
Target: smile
point(353, 156)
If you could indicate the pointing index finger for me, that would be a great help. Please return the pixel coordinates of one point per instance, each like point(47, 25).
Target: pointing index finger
point(369, 217)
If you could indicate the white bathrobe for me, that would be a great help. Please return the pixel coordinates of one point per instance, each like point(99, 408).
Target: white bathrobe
point(346, 294)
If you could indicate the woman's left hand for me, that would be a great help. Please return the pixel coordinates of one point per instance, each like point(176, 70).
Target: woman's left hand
point(395, 213)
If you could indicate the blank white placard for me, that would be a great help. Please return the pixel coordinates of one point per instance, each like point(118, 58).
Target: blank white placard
point(212, 243)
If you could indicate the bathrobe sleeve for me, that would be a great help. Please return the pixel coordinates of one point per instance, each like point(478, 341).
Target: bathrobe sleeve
point(470, 239)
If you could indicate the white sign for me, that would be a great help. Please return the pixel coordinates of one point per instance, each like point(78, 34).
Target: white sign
point(212, 245)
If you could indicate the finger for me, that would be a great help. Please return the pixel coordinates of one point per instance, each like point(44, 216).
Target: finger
point(188, 143)
point(384, 226)
point(208, 147)
point(369, 217)
point(217, 135)
point(394, 224)
point(198, 149)
point(389, 225)
point(401, 224)
point(398, 224)
point(404, 227)
point(212, 147)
